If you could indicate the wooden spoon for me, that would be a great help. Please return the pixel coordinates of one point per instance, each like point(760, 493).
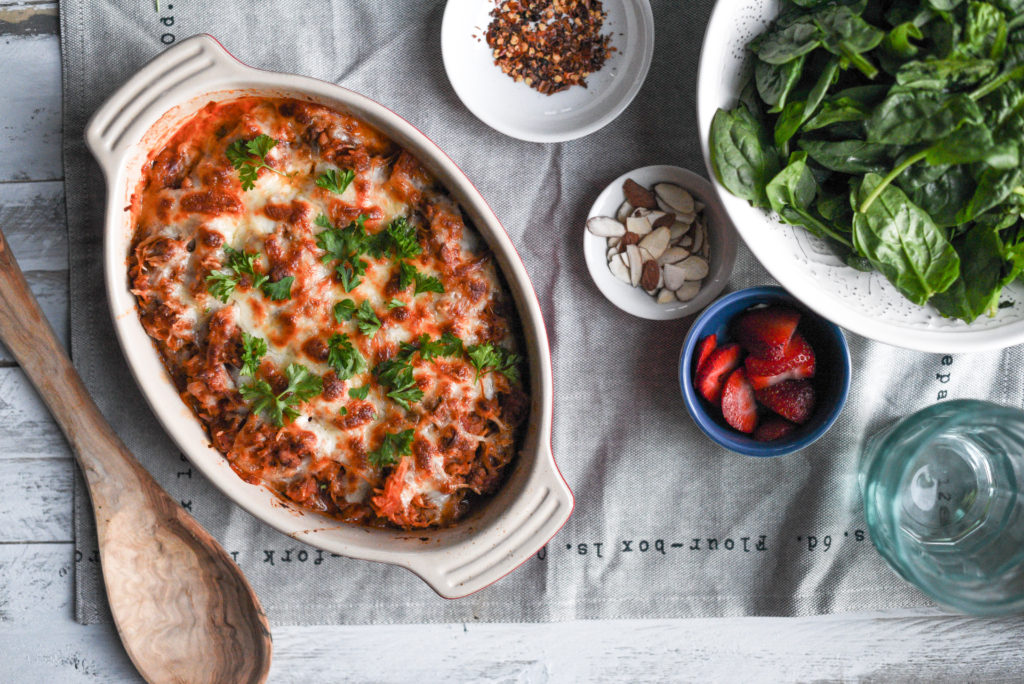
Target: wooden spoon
point(184, 610)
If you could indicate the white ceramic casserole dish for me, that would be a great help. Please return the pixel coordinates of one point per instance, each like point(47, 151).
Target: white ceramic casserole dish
point(533, 503)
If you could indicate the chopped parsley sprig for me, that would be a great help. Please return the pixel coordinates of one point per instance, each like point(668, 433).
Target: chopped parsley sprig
point(344, 358)
point(396, 376)
point(249, 156)
point(391, 449)
point(221, 284)
point(367, 320)
point(302, 386)
point(488, 357)
point(253, 350)
point(336, 181)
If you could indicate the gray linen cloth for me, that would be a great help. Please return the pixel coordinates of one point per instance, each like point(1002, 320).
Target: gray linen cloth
point(667, 524)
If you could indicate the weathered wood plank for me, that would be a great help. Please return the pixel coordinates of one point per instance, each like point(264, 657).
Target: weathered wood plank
point(30, 108)
point(32, 218)
point(35, 500)
point(26, 429)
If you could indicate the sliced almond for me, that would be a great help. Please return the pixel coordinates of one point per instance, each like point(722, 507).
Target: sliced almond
point(695, 267)
point(611, 253)
point(699, 207)
point(686, 242)
point(628, 239)
point(638, 195)
point(656, 242)
point(638, 224)
point(688, 291)
point(605, 226)
point(640, 212)
point(678, 230)
point(686, 218)
point(674, 196)
point(614, 242)
point(619, 269)
point(698, 238)
point(636, 264)
point(666, 295)
point(673, 255)
point(650, 275)
point(675, 277)
point(625, 209)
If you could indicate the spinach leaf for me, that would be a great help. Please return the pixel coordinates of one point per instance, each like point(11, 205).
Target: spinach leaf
point(952, 73)
point(941, 196)
point(850, 156)
point(973, 143)
point(907, 117)
point(791, 194)
point(986, 32)
point(776, 81)
point(985, 272)
point(847, 35)
point(740, 161)
point(994, 186)
point(903, 243)
point(785, 43)
point(794, 114)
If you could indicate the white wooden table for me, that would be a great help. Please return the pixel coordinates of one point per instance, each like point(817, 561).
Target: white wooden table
point(41, 642)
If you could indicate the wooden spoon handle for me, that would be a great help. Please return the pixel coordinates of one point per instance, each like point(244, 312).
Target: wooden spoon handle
point(31, 340)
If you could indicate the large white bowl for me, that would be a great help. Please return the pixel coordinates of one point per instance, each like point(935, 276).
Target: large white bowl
point(865, 303)
point(534, 501)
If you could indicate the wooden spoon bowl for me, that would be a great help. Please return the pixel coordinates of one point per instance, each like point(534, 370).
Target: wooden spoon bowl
point(183, 609)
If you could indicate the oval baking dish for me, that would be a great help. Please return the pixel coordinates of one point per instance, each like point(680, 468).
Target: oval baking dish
point(534, 501)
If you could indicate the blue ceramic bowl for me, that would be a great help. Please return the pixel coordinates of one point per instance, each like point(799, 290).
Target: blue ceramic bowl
point(832, 380)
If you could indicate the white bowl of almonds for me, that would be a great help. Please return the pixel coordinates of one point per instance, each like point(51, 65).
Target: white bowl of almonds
point(658, 243)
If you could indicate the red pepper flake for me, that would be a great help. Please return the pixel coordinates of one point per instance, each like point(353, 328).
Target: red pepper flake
point(549, 45)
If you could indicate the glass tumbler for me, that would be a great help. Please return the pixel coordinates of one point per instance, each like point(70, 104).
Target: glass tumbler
point(943, 499)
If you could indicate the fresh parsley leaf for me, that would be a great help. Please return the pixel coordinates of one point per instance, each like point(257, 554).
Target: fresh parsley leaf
point(345, 245)
point(253, 349)
point(403, 238)
point(391, 449)
point(395, 374)
point(368, 322)
point(280, 290)
point(302, 386)
point(344, 310)
point(448, 345)
point(221, 284)
point(425, 283)
point(359, 392)
point(406, 274)
point(352, 274)
point(488, 357)
point(336, 181)
point(249, 156)
point(404, 397)
point(344, 358)
point(343, 411)
point(395, 304)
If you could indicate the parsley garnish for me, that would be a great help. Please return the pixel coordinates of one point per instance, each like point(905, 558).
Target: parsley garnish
point(391, 449)
point(336, 181)
point(253, 349)
point(249, 156)
point(488, 357)
point(403, 238)
point(397, 376)
point(344, 310)
point(344, 358)
point(343, 411)
point(406, 273)
point(448, 345)
point(395, 304)
point(280, 290)
point(302, 386)
point(222, 284)
point(426, 283)
point(344, 245)
point(359, 392)
point(368, 322)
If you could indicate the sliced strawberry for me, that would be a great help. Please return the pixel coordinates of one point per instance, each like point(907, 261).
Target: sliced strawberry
point(704, 349)
point(766, 332)
point(797, 364)
point(792, 399)
point(773, 428)
point(712, 373)
point(738, 405)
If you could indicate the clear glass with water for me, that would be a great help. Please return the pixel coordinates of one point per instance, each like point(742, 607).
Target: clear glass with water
point(944, 499)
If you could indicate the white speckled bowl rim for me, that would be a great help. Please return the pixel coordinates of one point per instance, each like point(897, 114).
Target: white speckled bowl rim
point(533, 503)
point(865, 303)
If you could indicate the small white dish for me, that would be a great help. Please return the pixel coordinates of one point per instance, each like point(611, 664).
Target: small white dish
point(721, 236)
point(521, 112)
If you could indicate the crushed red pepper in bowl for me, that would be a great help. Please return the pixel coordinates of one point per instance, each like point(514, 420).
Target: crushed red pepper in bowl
point(549, 45)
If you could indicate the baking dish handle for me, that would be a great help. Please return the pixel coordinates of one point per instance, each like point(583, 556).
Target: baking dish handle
point(528, 526)
point(124, 118)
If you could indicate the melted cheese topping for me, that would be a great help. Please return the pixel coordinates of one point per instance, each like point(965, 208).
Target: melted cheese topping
point(190, 206)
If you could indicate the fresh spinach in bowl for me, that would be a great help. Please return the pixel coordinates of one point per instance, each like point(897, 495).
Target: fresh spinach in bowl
point(894, 129)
